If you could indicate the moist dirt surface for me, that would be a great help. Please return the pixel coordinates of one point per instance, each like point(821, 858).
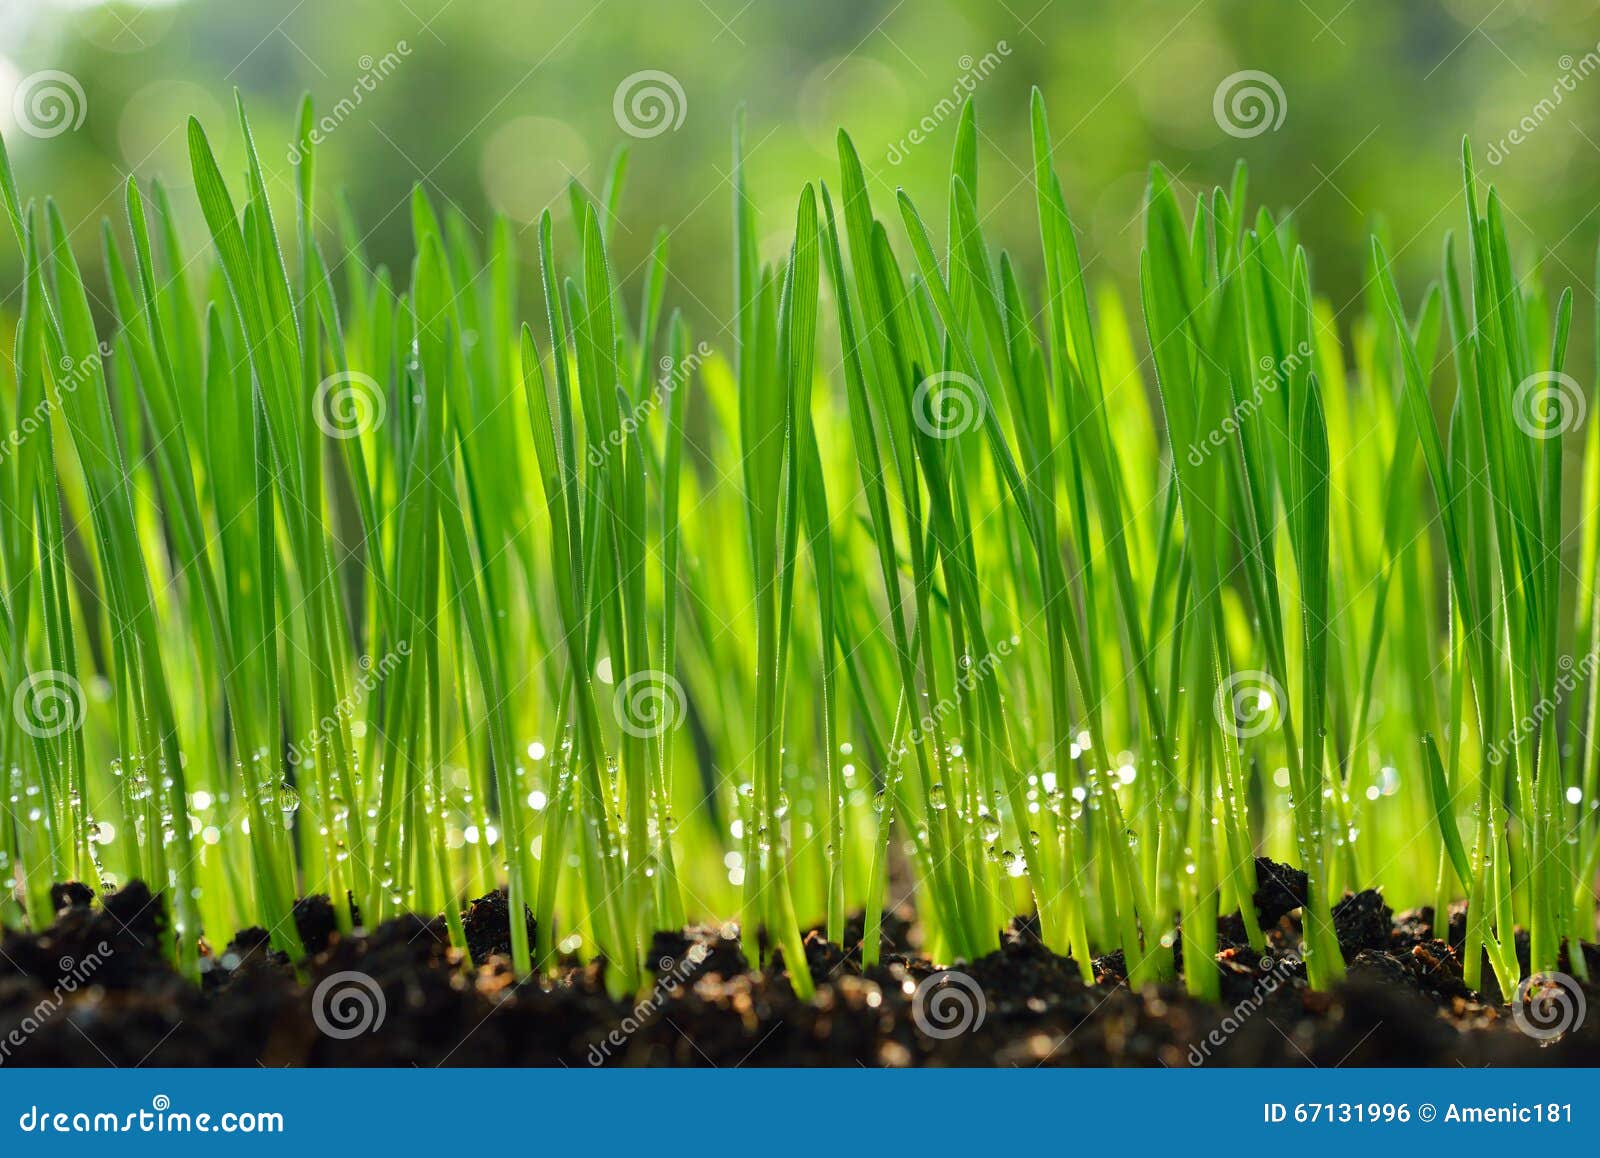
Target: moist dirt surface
point(98, 988)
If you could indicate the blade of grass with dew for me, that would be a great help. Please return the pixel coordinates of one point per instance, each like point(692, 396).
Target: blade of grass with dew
point(89, 422)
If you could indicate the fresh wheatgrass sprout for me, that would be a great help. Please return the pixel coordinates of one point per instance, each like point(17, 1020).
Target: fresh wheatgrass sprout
point(926, 566)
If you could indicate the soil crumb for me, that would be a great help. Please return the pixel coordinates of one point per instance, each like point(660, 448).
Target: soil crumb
point(97, 988)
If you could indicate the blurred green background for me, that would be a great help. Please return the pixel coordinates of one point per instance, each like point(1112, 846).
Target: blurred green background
point(497, 105)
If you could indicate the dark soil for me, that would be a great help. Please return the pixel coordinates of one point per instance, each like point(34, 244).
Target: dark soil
point(98, 989)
